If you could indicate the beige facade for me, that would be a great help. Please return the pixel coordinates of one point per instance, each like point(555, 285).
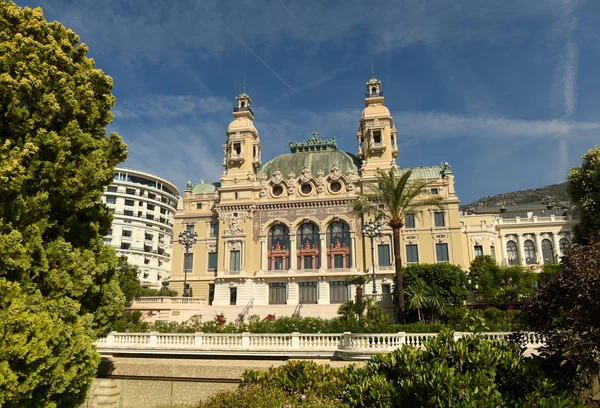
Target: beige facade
point(285, 232)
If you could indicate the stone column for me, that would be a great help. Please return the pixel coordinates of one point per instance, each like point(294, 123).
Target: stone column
point(293, 260)
point(263, 254)
point(520, 249)
point(323, 250)
point(503, 252)
point(555, 246)
point(353, 249)
point(538, 249)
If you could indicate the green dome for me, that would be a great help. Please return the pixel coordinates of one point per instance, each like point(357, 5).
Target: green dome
point(315, 161)
point(203, 188)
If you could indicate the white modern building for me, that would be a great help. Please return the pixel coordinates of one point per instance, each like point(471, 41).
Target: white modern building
point(142, 229)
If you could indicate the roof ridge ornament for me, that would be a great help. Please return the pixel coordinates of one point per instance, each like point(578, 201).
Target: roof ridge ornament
point(314, 144)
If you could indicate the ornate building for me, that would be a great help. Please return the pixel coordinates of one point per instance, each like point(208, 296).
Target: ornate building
point(285, 232)
point(143, 206)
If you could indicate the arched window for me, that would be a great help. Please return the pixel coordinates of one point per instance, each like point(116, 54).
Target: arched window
point(547, 251)
point(511, 253)
point(529, 252)
point(308, 245)
point(338, 245)
point(563, 244)
point(279, 248)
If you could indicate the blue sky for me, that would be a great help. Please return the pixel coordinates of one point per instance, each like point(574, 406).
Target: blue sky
point(506, 91)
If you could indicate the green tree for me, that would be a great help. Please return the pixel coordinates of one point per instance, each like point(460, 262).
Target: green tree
point(58, 282)
point(480, 265)
point(584, 190)
point(505, 285)
point(129, 280)
point(394, 199)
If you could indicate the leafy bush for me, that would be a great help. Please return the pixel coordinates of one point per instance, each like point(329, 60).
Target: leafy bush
point(472, 371)
point(164, 291)
point(567, 309)
point(506, 285)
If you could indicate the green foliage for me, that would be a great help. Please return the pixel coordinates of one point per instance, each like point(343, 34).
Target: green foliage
point(164, 291)
point(505, 285)
point(584, 190)
point(441, 285)
point(129, 281)
point(59, 283)
point(481, 265)
point(482, 320)
point(548, 273)
point(471, 372)
point(567, 309)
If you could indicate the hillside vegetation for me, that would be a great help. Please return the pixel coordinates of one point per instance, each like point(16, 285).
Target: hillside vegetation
point(556, 193)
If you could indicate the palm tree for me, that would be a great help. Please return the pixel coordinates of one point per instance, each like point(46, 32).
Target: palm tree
point(396, 198)
point(418, 296)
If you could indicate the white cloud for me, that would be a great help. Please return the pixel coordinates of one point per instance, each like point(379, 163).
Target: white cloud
point(169, 106)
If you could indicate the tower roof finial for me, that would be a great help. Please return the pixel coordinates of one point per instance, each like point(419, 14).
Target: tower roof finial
point(244, 84)
point(372, 72)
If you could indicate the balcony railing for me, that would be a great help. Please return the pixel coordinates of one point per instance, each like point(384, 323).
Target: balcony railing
point(145, 217)
point(374, 94)
point(244, 109)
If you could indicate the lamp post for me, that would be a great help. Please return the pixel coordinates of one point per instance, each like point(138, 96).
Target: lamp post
point(471, 285)
point(372, 230)
point(188, 239)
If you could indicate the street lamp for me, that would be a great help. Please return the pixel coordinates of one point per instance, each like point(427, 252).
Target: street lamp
point(188, 239)
point(471, 285)
point(372, 230)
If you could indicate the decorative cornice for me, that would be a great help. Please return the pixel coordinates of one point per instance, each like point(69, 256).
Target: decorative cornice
point(314, 144)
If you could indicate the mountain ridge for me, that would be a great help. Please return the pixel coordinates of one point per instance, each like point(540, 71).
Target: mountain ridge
point(555, 193)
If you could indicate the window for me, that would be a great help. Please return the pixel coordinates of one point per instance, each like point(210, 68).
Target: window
point(163, 210)
point(383, 252)
point(439, 219)
point(150, 207)
point(211, 293)
point(128, 212)
point(232, 296)
point(110, 232)
point(212, 261)
point(308, 246)
point(198, 207)
point(441, 251)
point(129, 203)
point(107, 241)
point(493, 252)
point(189, 228)
point(111, 189)
point(434, 191)
point(386, 291)
point(188, 262)
point(335, 186)
point(512, 253)
point(338, 245)
point(234, 259)
point(409, 221)
point(152, 196)
point(111, 200)
point(277, 293)
point(338, 292)
point(160, 251)
point(278, 247)
point(146, 261)
point(306, 188)
point(161, 238)
point(308, 292)
point(377, 137)
point(547, 251)
point(412, 253)
point(478, 250)
point(149, 216)
point(130, 191)
point(214, 230)
point(237, 149)
point(529, 247)
point(126, 233)
point(125, 245)
point(563, 244)
point(148, 236)
point(277, 190)
point(147, 248)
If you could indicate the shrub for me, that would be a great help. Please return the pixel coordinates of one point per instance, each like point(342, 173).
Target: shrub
point(567, 309)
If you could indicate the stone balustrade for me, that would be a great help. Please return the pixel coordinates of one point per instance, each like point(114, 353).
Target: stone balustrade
point(163, 300)
point(347, 345)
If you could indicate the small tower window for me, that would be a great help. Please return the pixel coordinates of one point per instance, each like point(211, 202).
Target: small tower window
point(374, 89)
point(237, 149)
point(377, 137)
point(306, 188)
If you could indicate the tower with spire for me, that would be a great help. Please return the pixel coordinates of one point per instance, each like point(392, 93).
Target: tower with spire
point(242, 150)
point(376, 135)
